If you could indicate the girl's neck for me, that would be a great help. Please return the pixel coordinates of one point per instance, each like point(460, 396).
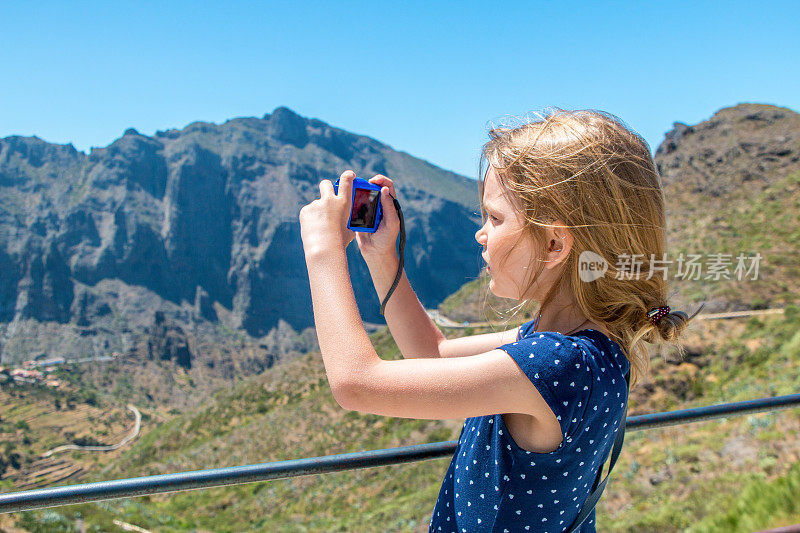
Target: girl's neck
point(563, 315)
point(565, 320)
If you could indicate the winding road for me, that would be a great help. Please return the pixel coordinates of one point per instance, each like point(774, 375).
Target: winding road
point(121, 443)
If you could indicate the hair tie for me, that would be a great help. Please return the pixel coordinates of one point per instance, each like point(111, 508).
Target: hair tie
point(656, 314)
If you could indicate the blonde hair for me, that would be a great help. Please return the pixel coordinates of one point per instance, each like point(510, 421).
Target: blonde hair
point(589, 170)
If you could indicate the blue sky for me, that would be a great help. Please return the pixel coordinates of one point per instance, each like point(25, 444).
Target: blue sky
point(426, 77)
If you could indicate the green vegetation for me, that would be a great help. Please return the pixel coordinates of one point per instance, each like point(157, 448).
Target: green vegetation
point(754, 495)
point(757, 503)
point(289, 413)
point(747, 224)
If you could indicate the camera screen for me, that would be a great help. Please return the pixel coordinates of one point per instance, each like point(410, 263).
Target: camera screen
point(365, 207)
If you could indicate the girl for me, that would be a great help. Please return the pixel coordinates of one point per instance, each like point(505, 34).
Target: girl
point(543, 402)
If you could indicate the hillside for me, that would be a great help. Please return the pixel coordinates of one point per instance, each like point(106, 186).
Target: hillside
point(291, 414)
point(732, 186)
point(36, 418)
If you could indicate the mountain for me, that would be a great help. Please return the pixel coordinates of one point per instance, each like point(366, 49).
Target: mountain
point(201, 225)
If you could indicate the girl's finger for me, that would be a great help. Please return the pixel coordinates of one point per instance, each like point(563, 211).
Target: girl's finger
point(383, 181)
point(388, 205)
point(388, 183)
point(380, 178)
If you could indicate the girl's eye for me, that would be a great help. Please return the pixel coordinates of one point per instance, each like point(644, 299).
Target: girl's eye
point(493, 217)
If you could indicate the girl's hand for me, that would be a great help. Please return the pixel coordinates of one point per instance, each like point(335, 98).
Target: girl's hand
point(323, 222)
point(383, 242)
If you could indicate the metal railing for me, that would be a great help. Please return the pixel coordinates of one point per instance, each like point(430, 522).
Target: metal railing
point(141, 486)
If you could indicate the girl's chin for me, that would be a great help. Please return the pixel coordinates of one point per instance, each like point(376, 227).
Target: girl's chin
point(493, 286)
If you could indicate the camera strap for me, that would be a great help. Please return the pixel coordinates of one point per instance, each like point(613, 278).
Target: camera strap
point(402, 250)
point(597, 487)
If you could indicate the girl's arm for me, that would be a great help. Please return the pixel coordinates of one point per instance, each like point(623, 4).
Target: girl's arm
point(412, 329)
point(343, 341)
point(428, 388)
point(475, 344)
point(445, 388)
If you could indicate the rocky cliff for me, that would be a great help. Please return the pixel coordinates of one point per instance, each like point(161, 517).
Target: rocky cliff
point(201, 221)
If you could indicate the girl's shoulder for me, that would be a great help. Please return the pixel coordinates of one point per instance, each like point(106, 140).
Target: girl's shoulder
point(603, 348)
point(587, 342)
point(593, 335)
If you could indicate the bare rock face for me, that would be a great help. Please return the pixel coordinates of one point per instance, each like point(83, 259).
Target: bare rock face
point(203, 306)
point(201, 219)
point(168, 342)
point(741, 146)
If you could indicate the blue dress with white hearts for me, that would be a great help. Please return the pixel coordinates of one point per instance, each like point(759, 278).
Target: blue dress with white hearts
point(494, 485)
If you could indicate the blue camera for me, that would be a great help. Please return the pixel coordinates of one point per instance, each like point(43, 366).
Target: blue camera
point(366, 213)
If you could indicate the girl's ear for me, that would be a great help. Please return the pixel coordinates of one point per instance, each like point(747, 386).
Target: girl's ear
point(559, 244)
